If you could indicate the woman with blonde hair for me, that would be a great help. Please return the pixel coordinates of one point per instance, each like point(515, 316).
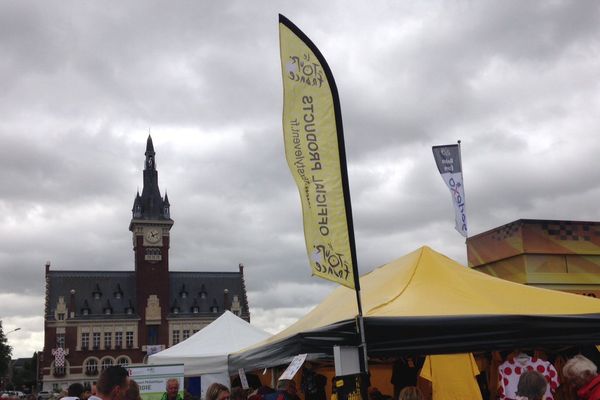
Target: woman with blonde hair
point(411, 393)
point(216, 391)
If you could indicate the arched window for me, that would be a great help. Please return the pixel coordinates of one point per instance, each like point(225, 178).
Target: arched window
point(123, 361)
point(91, 366)
point(106, 362)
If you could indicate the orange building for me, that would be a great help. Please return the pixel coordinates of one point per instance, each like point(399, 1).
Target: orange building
point(560, 255)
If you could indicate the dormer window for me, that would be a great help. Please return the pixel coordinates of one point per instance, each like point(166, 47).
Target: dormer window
point(214, 308)
point(86, 308)
point(195, 309)
point(118, 293)
point(108, 310)
point(129, 308)
point(175, 310)
point(202, 292)
point(183, 293)
point(96, 294)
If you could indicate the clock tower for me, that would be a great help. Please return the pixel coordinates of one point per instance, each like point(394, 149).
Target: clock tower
point(150, 225)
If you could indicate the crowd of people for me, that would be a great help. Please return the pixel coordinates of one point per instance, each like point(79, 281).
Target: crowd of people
point(114, 383)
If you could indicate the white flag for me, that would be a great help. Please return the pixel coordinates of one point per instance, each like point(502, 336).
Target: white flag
point(448, 162)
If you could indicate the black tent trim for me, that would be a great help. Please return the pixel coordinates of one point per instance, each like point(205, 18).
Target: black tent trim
point(394, 336)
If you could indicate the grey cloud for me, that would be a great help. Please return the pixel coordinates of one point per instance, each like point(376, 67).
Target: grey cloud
point(81, 83)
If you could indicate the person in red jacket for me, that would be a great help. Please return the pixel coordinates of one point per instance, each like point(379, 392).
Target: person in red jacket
point(583, 375)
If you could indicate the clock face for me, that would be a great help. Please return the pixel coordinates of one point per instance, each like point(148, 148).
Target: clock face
point(153, 235)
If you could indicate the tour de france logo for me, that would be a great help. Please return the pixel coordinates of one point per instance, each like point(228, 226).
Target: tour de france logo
point(305, 71)
point(446, 152)
point(328, 261)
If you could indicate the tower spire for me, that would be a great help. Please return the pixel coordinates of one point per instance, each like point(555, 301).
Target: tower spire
point(150, 205)
point(150, 159)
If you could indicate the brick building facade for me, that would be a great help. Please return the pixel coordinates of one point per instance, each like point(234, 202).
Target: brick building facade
point(93, 319)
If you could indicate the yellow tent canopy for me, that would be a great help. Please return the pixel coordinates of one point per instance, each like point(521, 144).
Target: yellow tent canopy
point(427, 303)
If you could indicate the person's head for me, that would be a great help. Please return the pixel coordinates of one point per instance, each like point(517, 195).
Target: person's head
point(112, 383)
point(75, 390)
point(532, 385)
point(284, 385)
point(133, 391)
point(410, 393)
point(579, 370)
point(237, 393)
point(374, 393)
point(216, 391)
point(172, 388)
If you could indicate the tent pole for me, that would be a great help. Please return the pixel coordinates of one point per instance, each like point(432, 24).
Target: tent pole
point(361, 328)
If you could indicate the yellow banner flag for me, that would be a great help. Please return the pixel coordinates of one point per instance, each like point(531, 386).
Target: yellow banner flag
point(314, 148)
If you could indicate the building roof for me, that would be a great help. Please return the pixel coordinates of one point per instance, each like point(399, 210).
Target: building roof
point(206, 290)
point(85, 284)
point(116, 290)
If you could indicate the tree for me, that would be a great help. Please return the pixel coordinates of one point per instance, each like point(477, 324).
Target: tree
point(24, 375)
point(5, 353)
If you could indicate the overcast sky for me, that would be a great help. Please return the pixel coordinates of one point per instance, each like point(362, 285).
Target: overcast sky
point(81, 83)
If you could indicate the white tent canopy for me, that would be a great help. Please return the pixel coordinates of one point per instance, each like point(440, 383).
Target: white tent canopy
point(206, 351)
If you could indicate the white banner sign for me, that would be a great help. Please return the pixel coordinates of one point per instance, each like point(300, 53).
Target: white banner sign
point(152, 379)
point(243, 379)
point(294, 366)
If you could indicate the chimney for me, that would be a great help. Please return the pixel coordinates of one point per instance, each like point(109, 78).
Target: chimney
point(226, 304)
point(47, 266)
point(72, 305)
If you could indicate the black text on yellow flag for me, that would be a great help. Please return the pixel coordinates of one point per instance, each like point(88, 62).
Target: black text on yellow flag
point(314, 147)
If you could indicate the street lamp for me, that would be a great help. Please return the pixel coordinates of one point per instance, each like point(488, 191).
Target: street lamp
point(14, 330)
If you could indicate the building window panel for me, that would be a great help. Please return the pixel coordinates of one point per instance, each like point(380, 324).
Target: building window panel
point(96, 340)
point(118, 340)
point(175, 337)
point(129, 338)
point(85, 340)
point(186, 334)
point(107, 362)
point(107, 340)
point(60, 340)
point(91, 367)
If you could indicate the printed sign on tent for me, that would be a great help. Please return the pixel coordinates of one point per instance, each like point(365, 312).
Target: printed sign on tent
point(294, 366)
point(152, 379)
point(243, 379)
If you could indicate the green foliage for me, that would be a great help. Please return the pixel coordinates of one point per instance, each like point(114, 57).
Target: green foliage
point(5, 353)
